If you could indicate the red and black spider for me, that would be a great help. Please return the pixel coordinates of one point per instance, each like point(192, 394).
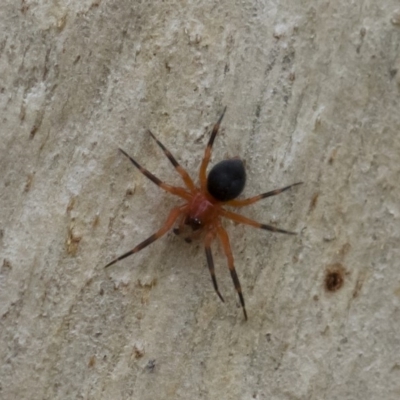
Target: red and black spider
point(203, 207)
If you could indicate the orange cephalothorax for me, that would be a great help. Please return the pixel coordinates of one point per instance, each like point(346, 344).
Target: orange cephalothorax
point(201, 211)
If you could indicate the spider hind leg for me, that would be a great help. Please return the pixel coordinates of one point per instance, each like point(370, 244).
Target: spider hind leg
point(185, 176)
point(241, 219)
point(207, 153)
point(178, 191)
point(255, 199)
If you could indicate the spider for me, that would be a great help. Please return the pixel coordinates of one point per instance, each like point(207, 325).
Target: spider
point(204, 206)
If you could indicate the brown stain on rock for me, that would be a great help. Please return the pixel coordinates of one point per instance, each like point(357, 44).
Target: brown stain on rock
point(313, 202)
point(334, 277)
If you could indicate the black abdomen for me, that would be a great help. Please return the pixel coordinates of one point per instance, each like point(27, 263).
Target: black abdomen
point(226, 179)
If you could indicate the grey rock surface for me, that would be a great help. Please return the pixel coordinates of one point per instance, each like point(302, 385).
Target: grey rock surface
point(312, 90)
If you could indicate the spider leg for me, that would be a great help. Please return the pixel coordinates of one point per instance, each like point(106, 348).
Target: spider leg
point(185, 176)
point(223, 236)
point(207, 153)
point(207, 244)
point(173, 216)
point(252, 200)
point(244, 220)
point(178, 191)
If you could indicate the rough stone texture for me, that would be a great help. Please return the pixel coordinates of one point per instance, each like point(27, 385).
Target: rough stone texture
point(312, 89)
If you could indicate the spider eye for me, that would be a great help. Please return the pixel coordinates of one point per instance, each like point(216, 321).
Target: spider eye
point(226, 179)
point(194, 223)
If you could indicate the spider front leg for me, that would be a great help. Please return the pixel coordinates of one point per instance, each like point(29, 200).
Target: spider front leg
point(210, 262)
point(173, 216)
point(224, 238)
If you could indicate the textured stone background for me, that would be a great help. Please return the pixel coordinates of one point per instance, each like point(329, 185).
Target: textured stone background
point(312, 89)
